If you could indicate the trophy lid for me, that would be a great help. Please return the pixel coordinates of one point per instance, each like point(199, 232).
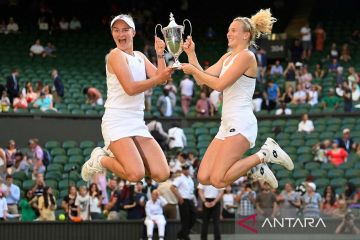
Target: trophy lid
point(172, 23)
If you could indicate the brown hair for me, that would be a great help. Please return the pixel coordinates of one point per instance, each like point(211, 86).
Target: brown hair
point(259, 24)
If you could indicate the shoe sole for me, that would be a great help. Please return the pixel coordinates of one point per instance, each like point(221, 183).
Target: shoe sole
point(289, 165)
point(86, 179)
point(270, 175)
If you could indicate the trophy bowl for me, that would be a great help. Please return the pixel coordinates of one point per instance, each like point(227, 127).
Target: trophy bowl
point(173, 36)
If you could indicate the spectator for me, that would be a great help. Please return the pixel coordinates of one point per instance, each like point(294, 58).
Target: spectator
point(172, 91)
point(164, 189)
point(354, 38)
point(37, 50)
point(149, 187)
point(20, 102)
point(272, 95)
point(288, 95)
point(43, 23)
point(28, 91)
point(156, 129)
point(290, 76)
point(329, 203)
point(300, 95)
point(333, 66)
point(337, 155)
point(345, 53)
point(95, 202)
point(5, 102)
point(266, 202)
point(305, 32)
point(320, 36)
point(10, 151)
point(348, 225)
point(3, 207)
point(305, 77)
point(183, 188)
point(58, 84)
point(3, 26)
point(277, 69)
point(313, 95)
point(164, 105)
point(311, 201)
point(283, 110)
point(353, 77)
point(113, 207)
point(262, 63)
point(12, 194)
point(82, 203)
point(228, 203)
point(12, 26)
point(355, 92)
point(154, 215)
point(75, 24)
point(27, 212)
point(289, 202)
point(140, 198)
point(210, 197)
point(37, 156)
point(148, 95)
point(2, 163)
point(350, 195)
point(330, 101)
point(193, 160)
point(177, 138)
point(39, 87)
point(306, 125)
point(347, 98)
point(12, 84)
point(257, 101)
point(44, 103)
point(68, 203)
point(93, 96)
point(63, 24)
point(50, 50)
point(187, 91)
point(203, 106)
point(334, 53)
point(319, 72)
point(21, 163)
point(346, 142)
point(246, 198)
point(150, 52)
point(38, 188)
point(47, 205)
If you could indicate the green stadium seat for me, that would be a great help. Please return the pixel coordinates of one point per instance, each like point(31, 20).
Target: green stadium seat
point(335, 173)
point(283, 174)
point(352, 173)
point(77, 159)
point(28, 184)
point(57, 151)
point(338, 182)
point(21, 176)
point(204, 137)
point(55, 175)
point(355, 181)
point(312, 166)
point(64, 184)
point(87, 151)
point(81, 183)
point(69, 166)
point(284, 181)
point(322, 182)
point(54, 167)
point(52, 144)
point(51, 183)
point(300, 173)
point(327, 166)
point(69, 144)
point(319, 173)
point(60, 159)
point(201, 130)
point(87, 144)
point(74, 151)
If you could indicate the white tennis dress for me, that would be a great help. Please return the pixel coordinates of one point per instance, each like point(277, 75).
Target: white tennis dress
point(124, 114)
point(237, 114)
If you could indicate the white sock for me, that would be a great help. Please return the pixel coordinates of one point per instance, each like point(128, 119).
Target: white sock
point(263, 154)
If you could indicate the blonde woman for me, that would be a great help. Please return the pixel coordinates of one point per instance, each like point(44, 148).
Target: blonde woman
point(234, 75)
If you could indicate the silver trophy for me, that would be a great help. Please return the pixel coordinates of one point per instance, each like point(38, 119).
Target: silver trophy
point(173, 38)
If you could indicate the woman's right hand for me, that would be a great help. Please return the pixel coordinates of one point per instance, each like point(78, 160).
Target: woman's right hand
point(164, 75)
point(189, 46)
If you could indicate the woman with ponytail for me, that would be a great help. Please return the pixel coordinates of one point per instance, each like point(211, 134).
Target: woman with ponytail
point(234, 75)
point(47, 205)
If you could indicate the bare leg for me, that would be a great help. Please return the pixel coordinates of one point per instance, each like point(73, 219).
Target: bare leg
point(153, 157)
point(127, 162)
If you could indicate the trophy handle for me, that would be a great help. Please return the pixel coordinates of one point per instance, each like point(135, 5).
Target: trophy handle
point(156, 28)
point(187, 20)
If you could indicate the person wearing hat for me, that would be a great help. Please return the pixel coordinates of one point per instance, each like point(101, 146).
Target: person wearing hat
point(129, 148)
point(311, 201)
point(346, 141)
point(183, 188)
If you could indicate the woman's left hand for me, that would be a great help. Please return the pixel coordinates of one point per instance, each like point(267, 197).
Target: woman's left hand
point(159, 46)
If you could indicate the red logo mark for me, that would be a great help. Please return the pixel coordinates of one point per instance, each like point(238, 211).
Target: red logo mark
point(241, 223)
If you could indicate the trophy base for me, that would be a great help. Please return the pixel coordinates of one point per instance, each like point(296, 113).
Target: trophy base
point(176, 65)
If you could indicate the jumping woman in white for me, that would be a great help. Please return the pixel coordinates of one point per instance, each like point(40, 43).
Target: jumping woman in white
point(133, 151)
point(234, 75)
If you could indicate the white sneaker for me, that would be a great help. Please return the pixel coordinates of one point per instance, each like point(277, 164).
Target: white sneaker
point(93, 165)
point(262, 173)
point(274, 154)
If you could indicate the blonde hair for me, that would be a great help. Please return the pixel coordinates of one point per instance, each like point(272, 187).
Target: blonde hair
point(259, 24)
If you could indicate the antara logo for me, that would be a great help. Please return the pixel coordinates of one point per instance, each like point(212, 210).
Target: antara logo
point(293, 222)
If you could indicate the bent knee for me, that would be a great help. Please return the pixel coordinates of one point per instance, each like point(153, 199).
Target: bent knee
point(161, 177)
point(217, 182)
point(135, 176)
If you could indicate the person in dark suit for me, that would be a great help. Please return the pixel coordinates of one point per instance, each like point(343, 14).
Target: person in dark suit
point(12, 84)
point(346, 141)
point(59, 86)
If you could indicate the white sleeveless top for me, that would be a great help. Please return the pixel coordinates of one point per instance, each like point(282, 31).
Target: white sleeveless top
point(116, 95)
point(238, 96)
